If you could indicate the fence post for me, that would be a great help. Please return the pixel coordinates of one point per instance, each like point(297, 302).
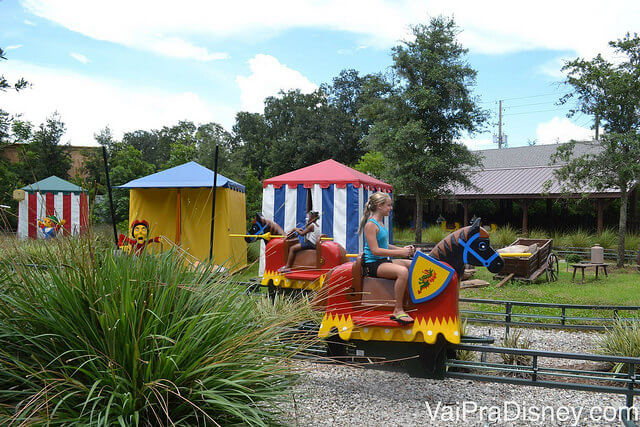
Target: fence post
point(507, 319)
point(562, 321)
point(632, 375)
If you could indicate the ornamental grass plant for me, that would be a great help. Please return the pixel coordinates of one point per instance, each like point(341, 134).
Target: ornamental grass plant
point(621, 339)
point(96, 337)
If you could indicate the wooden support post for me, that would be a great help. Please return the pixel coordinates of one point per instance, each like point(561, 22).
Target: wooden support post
point(525, 229)
point(465, 203)
point(600, 208)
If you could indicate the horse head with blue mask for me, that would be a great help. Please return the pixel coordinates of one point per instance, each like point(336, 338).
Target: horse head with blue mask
point(468, 245)
point(261, 225)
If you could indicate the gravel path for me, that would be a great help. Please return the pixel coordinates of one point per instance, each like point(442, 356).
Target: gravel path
point(343, 395)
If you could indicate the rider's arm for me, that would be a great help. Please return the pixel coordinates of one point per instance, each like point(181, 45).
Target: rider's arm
point(370, 233)
point(308, 229)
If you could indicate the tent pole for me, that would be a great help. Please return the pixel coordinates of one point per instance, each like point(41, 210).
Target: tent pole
point(213, 204)
point(113, 213)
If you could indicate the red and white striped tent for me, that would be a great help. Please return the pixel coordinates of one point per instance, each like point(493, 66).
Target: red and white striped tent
point(52, 196)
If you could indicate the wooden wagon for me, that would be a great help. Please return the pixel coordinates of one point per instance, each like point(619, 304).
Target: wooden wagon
point(541, 261)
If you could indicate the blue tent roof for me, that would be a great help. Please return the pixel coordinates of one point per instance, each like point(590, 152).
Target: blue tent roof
point(184, 176)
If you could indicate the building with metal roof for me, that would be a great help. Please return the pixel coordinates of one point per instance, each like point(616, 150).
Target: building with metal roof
point(524, 174)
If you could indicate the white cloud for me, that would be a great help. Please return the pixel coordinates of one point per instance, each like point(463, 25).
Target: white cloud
point(268, 77)
point(87, 105)
point(559, 130)
point(495, 27)
point(553, 68)
point(27, 22)
point(80, 58)
point(12, 47)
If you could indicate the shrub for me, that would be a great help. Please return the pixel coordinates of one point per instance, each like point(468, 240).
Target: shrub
point(434, 234)
point(503, 236)
point(573, 259)
point(103, 338)
point(253, 251)
point(608, 238)
point(515, 340)
point(579, 239)
point(631, 241)
point(622, 339)
point(538, 233)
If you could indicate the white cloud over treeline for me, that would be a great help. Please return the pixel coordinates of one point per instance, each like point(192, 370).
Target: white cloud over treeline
point(170, 28)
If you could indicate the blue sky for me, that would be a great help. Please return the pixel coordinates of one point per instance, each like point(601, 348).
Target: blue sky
point(147, 64)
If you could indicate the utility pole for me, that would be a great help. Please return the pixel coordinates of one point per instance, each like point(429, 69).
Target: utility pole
point(597, 127)
point(500, 124)
point(500, 138)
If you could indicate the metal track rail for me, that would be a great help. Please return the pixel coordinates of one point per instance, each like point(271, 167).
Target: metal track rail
point(530, 372)
point(561, 316)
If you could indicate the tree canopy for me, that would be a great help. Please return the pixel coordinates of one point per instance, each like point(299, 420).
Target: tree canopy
point(611, 93)
point(420, 109)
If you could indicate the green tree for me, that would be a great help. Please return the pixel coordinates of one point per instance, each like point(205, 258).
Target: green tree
point(9, 173)
point(611, 92)
point(5, 84)
point(373, 163)
point(45, 155)
point(127, 164)
point(254, 141)
point(419, 111)
point(153, 149)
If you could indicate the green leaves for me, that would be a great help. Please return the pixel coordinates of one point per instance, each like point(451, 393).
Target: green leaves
point(100, 338)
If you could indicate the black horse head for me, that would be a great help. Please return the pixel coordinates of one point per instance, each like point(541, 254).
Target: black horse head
point(261, 225)
point(468, 245)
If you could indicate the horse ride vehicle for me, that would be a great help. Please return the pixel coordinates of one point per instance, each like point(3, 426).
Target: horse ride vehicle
point(357, 309)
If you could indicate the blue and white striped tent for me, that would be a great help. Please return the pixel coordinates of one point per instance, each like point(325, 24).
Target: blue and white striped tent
point(338, 192)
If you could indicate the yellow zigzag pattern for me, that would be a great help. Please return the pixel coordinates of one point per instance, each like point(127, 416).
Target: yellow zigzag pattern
point(422, 330)
point(280, 281)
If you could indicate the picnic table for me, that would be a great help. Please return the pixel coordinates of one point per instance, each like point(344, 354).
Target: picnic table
point(585, 265)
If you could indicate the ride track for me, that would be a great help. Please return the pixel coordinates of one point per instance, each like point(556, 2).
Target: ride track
point(534, 367)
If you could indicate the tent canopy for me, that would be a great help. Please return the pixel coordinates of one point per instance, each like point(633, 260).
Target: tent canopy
point(177, 204)
point(53, 184)
point(326, 173)
point(188, 175)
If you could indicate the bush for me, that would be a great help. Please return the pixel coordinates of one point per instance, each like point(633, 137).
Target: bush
point(515, 340)
point(579, 239)
point(631, 241)
point(253, 251)
point(108, 339)
point(622, 339)
point(503, 236)
point(573, 259)
point(608, 238)
point(434, 233)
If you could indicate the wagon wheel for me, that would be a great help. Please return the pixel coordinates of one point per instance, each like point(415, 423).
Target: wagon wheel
point(552, 268)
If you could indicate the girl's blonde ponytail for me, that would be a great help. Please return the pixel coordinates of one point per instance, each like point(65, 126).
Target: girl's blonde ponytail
point(371, 206)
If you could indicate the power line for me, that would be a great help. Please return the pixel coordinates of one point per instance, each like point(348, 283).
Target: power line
point(532, 112)
point(527, 105)
point(536, 96)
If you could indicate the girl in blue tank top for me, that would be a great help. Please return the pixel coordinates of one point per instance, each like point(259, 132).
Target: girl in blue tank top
point(378, 253)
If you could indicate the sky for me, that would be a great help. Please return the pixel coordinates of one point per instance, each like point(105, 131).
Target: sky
point(141, 64)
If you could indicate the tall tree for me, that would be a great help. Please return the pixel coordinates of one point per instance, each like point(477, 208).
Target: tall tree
point(9, 173)
point(45, 155)
point(419, 111)
point(611, 92)
point(254, 141)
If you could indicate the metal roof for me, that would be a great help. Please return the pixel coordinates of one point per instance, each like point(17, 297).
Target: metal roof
point(524, 172)
point(53, 184)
